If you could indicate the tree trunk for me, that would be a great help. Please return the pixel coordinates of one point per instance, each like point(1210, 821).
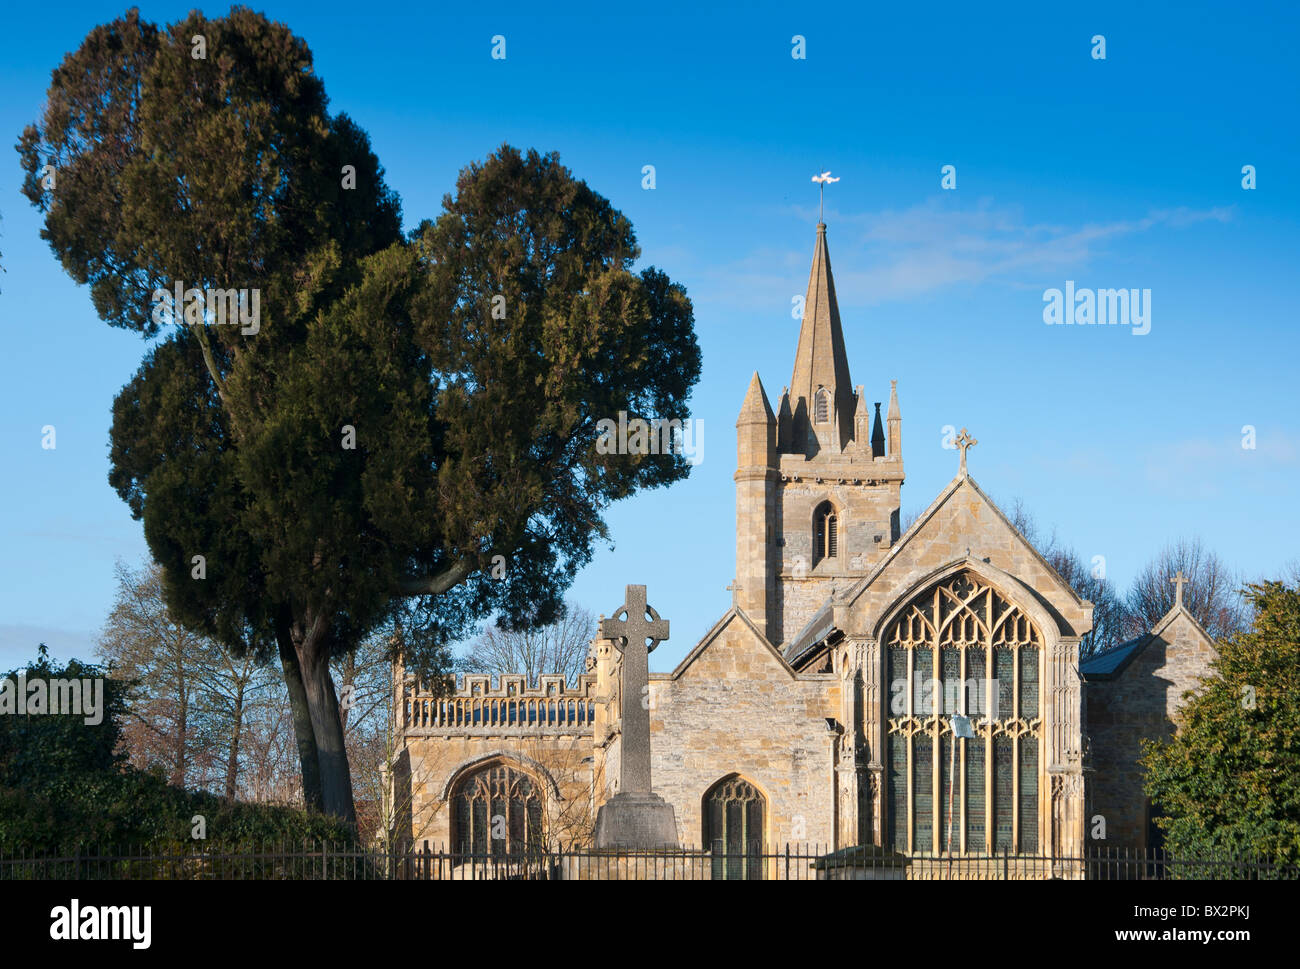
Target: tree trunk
point(335, 778)
point(302, 724)
point(182, 727)
point(232, 763)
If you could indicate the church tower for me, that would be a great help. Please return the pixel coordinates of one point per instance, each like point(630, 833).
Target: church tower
point(818, 482)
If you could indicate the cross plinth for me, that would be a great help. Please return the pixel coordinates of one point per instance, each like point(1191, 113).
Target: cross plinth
point(1178, 581)
point(964, 442)
point(635, 817)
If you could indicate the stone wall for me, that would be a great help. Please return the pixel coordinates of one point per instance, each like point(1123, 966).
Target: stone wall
point(432, 760)
point(733, 707)
point(1140, 702)
point(865, 513)
point(446, 738)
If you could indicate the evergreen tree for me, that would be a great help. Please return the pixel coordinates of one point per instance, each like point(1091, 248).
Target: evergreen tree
point(1229, 781)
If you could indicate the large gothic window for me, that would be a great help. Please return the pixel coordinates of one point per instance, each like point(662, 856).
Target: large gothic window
point(733, 828)
point(961, 648)
point(826, 532)
point(497, 810)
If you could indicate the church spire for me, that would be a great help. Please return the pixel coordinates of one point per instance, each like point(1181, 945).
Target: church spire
point(820, 361)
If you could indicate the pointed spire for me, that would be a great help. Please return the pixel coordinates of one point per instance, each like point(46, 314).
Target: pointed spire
point(878, 436)
point(755, 408)
point(893, 414)
point(861, 418)
point(755, 429)
point(820, 360)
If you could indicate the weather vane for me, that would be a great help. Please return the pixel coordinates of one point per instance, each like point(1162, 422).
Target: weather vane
point(821, 181)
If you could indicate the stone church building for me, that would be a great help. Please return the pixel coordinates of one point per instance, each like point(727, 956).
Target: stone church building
point(821, 707)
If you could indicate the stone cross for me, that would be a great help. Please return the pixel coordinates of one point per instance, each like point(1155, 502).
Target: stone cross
point(635, 637)
point(1178, 581)
point(965, 441)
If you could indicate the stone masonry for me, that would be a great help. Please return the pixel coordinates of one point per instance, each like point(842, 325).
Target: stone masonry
point(785, 697)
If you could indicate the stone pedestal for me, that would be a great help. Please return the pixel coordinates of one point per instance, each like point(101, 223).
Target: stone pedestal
point(637, 821)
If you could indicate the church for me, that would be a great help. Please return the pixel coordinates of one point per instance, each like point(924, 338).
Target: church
point(920, 691)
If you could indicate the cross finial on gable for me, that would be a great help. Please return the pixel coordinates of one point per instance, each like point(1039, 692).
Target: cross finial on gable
point(1179, 581)
point(964, 441)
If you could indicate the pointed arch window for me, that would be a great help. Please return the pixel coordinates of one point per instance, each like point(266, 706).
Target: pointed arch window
point(734, 813)
point(962, 648)
point(822, 406)
point(497, 810)
point(826, 532)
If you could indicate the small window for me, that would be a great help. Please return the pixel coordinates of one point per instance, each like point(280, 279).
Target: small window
point(826, 539)
point(822, 406)
point(733, 829)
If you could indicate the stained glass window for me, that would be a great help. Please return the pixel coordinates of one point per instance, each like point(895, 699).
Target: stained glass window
point(897, 801)
point(988, 669)
point(1028, 683)
point(1003, 805)
point(922, 791)
point(1028, 792)
point(974, 795)
point(496, 810)
point(947, 796)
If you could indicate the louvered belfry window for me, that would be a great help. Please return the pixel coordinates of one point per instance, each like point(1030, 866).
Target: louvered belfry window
point(822, 406)
point(826, 538)
point(497, 810)
point(961, 647)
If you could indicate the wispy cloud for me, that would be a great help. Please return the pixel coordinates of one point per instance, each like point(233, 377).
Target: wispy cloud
point(924, 248)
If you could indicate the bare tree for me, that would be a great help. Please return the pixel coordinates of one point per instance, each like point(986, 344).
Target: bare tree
point(268, 749)
point(158, 658)
point(1110, 612)
point(909, 519)
point(558, 648)
point(1211, 594)
point(227, 686)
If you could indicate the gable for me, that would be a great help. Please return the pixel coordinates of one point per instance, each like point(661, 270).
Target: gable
point(1179, 638)
point(734, 645)
point(964, 527)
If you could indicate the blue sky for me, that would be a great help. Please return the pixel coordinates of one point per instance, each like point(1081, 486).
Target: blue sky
point(1117, 173)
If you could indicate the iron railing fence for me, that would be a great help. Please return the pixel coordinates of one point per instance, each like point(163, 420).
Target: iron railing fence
point(791, 862)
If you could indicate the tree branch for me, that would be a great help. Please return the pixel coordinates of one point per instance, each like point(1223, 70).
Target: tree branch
point(435, 584)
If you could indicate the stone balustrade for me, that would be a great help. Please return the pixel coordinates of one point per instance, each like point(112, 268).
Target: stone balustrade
point(476, 708)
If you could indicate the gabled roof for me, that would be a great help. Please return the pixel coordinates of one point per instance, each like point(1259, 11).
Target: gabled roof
point(1111, 663)
point(944, 497)
point(735, 612)
point(818, 629)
